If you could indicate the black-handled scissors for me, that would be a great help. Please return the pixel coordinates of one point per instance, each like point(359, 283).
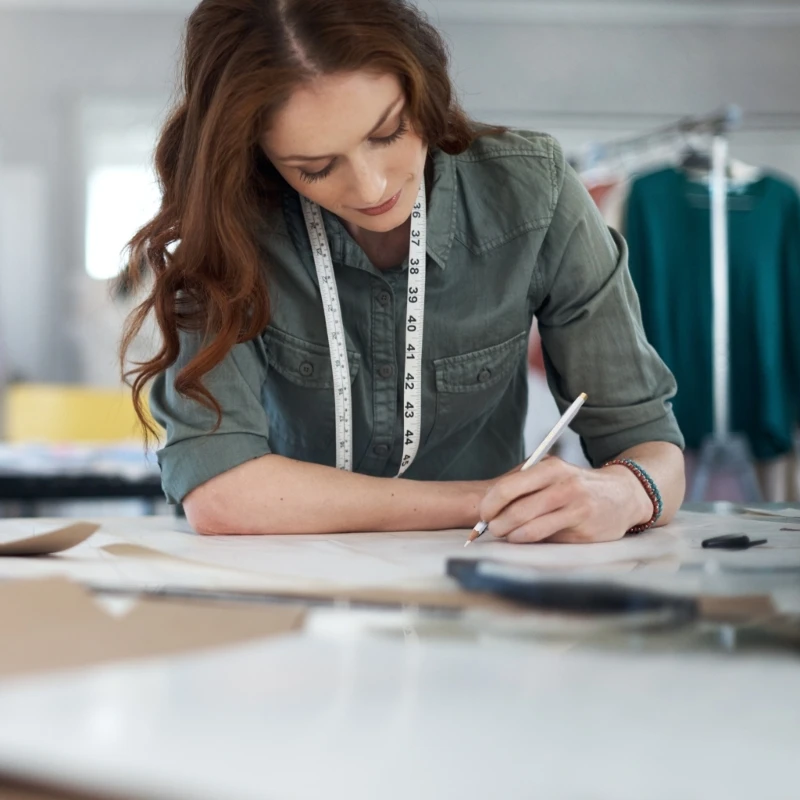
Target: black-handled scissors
point(525, 585)
point(732, 541)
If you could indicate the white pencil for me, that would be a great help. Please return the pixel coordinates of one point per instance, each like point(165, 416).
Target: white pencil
point(541, 451)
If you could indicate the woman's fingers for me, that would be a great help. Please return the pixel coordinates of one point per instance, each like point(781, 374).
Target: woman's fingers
point(547, 527)
point(557, 502)
point(530, 507)
point(511, 487)
point(583, 534)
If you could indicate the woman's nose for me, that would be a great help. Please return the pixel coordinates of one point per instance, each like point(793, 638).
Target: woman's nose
point(370, 185)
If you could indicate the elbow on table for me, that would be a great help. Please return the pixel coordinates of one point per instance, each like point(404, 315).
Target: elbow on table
point(216, 509)
point(208, 512)
point(201, 517)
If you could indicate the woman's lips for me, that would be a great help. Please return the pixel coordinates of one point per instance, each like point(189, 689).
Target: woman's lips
point(376, 211)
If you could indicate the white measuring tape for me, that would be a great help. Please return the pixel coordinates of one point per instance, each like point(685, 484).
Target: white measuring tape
point(415, 318)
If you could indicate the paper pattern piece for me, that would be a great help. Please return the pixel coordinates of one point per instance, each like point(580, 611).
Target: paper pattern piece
point(22, 540)
point(52, 625)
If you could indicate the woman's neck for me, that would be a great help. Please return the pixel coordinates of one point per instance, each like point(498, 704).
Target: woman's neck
point(384, 250)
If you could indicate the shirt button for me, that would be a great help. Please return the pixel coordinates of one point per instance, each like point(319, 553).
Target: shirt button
point(384, 298)
point(386, 371)
point(484, 375)
point(306, 369)
point(381, 450)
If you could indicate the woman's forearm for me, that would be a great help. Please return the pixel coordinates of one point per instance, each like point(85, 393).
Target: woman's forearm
point(273, 495)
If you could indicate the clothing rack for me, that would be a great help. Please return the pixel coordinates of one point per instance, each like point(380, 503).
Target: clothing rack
point(723, 452)
point(717, 124)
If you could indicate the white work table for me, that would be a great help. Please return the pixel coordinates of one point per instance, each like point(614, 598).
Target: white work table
point(379, 717)
point(392, 704)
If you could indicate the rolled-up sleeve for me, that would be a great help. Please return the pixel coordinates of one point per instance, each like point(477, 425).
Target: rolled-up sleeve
point(194, 452)
point(592, 335)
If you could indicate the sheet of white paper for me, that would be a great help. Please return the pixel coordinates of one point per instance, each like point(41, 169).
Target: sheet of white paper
point(391, 560)
point(137, 575)
point(385, 559)
point(90, 563)
point(788, 513)
point(782, 550)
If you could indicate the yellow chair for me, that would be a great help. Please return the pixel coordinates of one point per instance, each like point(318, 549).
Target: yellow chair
point(62, 414)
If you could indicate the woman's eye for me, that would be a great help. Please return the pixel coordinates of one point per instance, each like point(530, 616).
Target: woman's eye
point(311, 177)
point(402, 129)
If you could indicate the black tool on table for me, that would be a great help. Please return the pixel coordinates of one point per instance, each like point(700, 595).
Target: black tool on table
point(732, 541)
point(527, 586)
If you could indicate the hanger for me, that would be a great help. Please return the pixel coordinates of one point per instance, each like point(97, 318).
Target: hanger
point(693, 160)
point(742, 173)
point(697, 162)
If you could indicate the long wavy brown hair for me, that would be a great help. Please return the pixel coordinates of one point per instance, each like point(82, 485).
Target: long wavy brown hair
point(242, 60)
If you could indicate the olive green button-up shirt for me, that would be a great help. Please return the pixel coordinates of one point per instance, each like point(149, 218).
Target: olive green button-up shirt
point(512, 234)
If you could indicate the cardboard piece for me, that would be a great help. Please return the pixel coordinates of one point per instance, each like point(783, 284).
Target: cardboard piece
point(20, 542)
point(727, 610)
point(745, 608)
point(454, 600)
point(55, 624)
point(126, 550)
point(12, 790)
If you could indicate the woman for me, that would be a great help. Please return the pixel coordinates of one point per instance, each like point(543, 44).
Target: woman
point(346, 271)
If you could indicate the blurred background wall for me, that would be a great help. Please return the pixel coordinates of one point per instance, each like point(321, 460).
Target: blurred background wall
point(84, 85)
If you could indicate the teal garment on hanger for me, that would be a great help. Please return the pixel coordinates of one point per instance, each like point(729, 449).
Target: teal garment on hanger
point(668, 228)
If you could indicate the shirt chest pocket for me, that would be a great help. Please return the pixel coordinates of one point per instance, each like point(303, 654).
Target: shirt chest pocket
point(298, 396)
point(470, 386)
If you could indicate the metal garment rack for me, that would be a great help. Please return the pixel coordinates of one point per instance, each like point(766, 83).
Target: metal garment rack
point(718, 123)
point(723, 453)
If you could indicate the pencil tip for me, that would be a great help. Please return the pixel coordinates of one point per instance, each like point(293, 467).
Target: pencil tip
point(468, 543)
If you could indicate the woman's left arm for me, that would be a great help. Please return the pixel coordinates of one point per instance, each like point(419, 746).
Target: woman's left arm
point(560, 502)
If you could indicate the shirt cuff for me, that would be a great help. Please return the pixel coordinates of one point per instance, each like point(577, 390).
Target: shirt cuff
point(600, 449)
point(187, 464)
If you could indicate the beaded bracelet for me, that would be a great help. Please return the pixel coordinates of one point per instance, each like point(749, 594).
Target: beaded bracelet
point(649, 486)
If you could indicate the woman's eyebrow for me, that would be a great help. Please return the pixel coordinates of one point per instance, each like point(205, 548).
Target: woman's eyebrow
point(380, 122)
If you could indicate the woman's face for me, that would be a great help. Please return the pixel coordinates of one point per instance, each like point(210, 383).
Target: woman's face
point(346, 143)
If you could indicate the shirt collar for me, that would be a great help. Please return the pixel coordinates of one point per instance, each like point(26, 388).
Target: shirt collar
point(441, 222)
point(442, 208)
